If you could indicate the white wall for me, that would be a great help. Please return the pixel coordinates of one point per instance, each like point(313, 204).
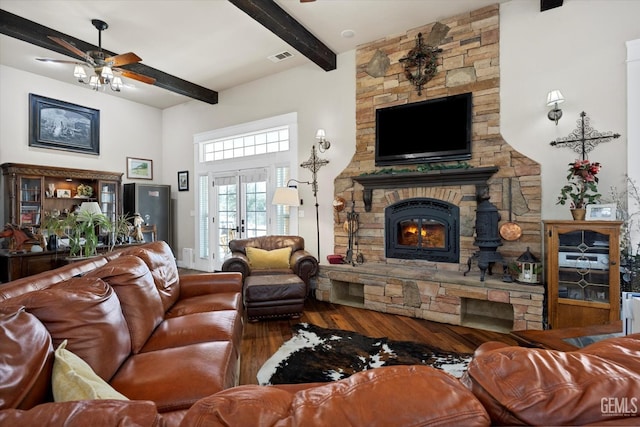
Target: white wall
point(127, 129)
point(580, 49)
point(321, 99)
point(633, 105)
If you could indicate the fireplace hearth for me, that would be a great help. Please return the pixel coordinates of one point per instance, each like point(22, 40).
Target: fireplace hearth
point(423, 228)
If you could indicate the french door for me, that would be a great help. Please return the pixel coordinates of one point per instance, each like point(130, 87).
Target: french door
point(239, 210)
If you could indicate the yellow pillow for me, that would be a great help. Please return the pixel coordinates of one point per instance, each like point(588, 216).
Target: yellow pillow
point(73, 379)
point(276, 259)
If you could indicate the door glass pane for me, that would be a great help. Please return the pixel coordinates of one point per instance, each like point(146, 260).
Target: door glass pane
point(29, 201)
point(203, 216)
point(227, 217)
point(256, 209)
point(283, 213)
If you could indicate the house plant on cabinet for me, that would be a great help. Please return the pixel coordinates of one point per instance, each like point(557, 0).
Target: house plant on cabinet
point(581, 188)
point(80, 227)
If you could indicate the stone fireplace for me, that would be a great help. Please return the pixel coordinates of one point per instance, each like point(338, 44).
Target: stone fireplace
point(424, 282)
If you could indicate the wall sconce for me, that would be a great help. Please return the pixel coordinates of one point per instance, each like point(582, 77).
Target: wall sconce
point(553, 99)
point(323, 145)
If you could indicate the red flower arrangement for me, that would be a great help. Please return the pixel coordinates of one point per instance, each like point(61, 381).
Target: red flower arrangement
point(582, 188)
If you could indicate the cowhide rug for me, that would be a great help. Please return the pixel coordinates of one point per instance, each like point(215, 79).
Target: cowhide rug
point(315, 354)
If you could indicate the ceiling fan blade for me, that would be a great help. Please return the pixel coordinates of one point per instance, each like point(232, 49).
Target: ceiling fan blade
point(136, 76)
point(123, 59)
point(73, 49)
point(60, 61)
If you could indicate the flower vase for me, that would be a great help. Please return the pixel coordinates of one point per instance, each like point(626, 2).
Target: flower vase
point(578, 214)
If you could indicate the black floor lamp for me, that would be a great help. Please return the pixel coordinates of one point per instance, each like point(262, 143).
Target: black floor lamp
point(288, 196)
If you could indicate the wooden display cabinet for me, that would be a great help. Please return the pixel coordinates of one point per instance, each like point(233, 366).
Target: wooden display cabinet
point(582, 272)
point(32, 191)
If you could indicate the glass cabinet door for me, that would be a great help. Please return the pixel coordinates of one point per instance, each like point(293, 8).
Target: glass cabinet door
point(108, 197)
point(583, 261)
point(30, 201)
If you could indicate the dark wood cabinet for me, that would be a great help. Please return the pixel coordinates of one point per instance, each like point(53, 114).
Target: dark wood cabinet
point(16, 266)
point(582, 272)
point(33, 191)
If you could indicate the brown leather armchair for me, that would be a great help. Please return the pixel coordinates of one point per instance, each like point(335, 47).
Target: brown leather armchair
point(302, 263)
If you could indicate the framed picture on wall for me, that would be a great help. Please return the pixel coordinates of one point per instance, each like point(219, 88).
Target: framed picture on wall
point(139, 168)
point(603, 212)
point(183, 181)
point(63, 126)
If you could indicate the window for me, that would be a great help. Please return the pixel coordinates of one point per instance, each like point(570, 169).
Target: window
point(250, 144)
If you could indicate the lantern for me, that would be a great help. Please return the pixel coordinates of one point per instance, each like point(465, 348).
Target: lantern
point(529, 268)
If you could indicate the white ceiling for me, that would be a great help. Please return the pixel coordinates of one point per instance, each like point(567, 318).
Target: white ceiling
point(211, 43)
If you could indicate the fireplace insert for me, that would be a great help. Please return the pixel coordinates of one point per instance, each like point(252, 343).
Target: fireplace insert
point(423, 228)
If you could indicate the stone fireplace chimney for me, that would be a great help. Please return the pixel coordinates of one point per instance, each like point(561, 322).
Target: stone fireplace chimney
point(469, 62)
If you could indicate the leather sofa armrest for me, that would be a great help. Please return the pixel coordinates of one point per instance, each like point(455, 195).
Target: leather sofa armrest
point(192, 285)
point(83, 413)
point(237, 261)
point(304, 265)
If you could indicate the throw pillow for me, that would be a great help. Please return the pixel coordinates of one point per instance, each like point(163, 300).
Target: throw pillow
point(276, 259)
point(73, 379)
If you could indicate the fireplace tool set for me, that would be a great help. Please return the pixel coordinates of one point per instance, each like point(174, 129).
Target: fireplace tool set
point(351, 226)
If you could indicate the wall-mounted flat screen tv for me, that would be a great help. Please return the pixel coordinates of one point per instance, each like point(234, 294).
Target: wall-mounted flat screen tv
point(436, 130)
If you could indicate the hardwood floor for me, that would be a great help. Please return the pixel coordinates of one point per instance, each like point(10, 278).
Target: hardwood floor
point(262, 339)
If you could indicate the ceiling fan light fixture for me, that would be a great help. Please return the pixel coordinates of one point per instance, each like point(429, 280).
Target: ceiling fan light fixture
point(79, 72)
point(117, 84)
point(94, 82)
point(107, 73)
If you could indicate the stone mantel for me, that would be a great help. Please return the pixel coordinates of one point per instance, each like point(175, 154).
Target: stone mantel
point(432, 178)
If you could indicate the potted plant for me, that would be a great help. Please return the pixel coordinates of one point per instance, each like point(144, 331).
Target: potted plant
point(122, 229)
point(54, 226)
point(80, 228)
point(582, 188)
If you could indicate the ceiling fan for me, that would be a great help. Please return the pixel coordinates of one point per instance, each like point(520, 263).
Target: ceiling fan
point(102, 66)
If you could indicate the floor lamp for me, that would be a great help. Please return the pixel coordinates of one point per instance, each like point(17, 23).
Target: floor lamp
point(288, 196)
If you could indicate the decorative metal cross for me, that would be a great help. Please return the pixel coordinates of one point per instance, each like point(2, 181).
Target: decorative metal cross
point(420, 64)
point(314, 164)
point(584, 138)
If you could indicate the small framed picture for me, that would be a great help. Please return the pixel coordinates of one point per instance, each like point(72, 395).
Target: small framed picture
point(139, 168)
point(63, 194)
point(183, 181)
point(603, 212)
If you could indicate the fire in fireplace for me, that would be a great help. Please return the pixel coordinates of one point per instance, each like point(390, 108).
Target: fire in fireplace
point(422, 228)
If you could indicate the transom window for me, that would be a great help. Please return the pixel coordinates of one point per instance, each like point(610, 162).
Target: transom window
point(255, 143)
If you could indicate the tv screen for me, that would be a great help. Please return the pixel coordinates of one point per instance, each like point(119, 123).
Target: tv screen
point(430, 131)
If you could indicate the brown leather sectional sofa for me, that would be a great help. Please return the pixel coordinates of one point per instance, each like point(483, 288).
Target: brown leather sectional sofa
point(171, 345)
point(598, 385)
point(161, 340)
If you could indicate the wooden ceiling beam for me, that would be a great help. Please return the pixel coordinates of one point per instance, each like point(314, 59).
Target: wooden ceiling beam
point(283, 25)
point(36, 34)
point(550, 4)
